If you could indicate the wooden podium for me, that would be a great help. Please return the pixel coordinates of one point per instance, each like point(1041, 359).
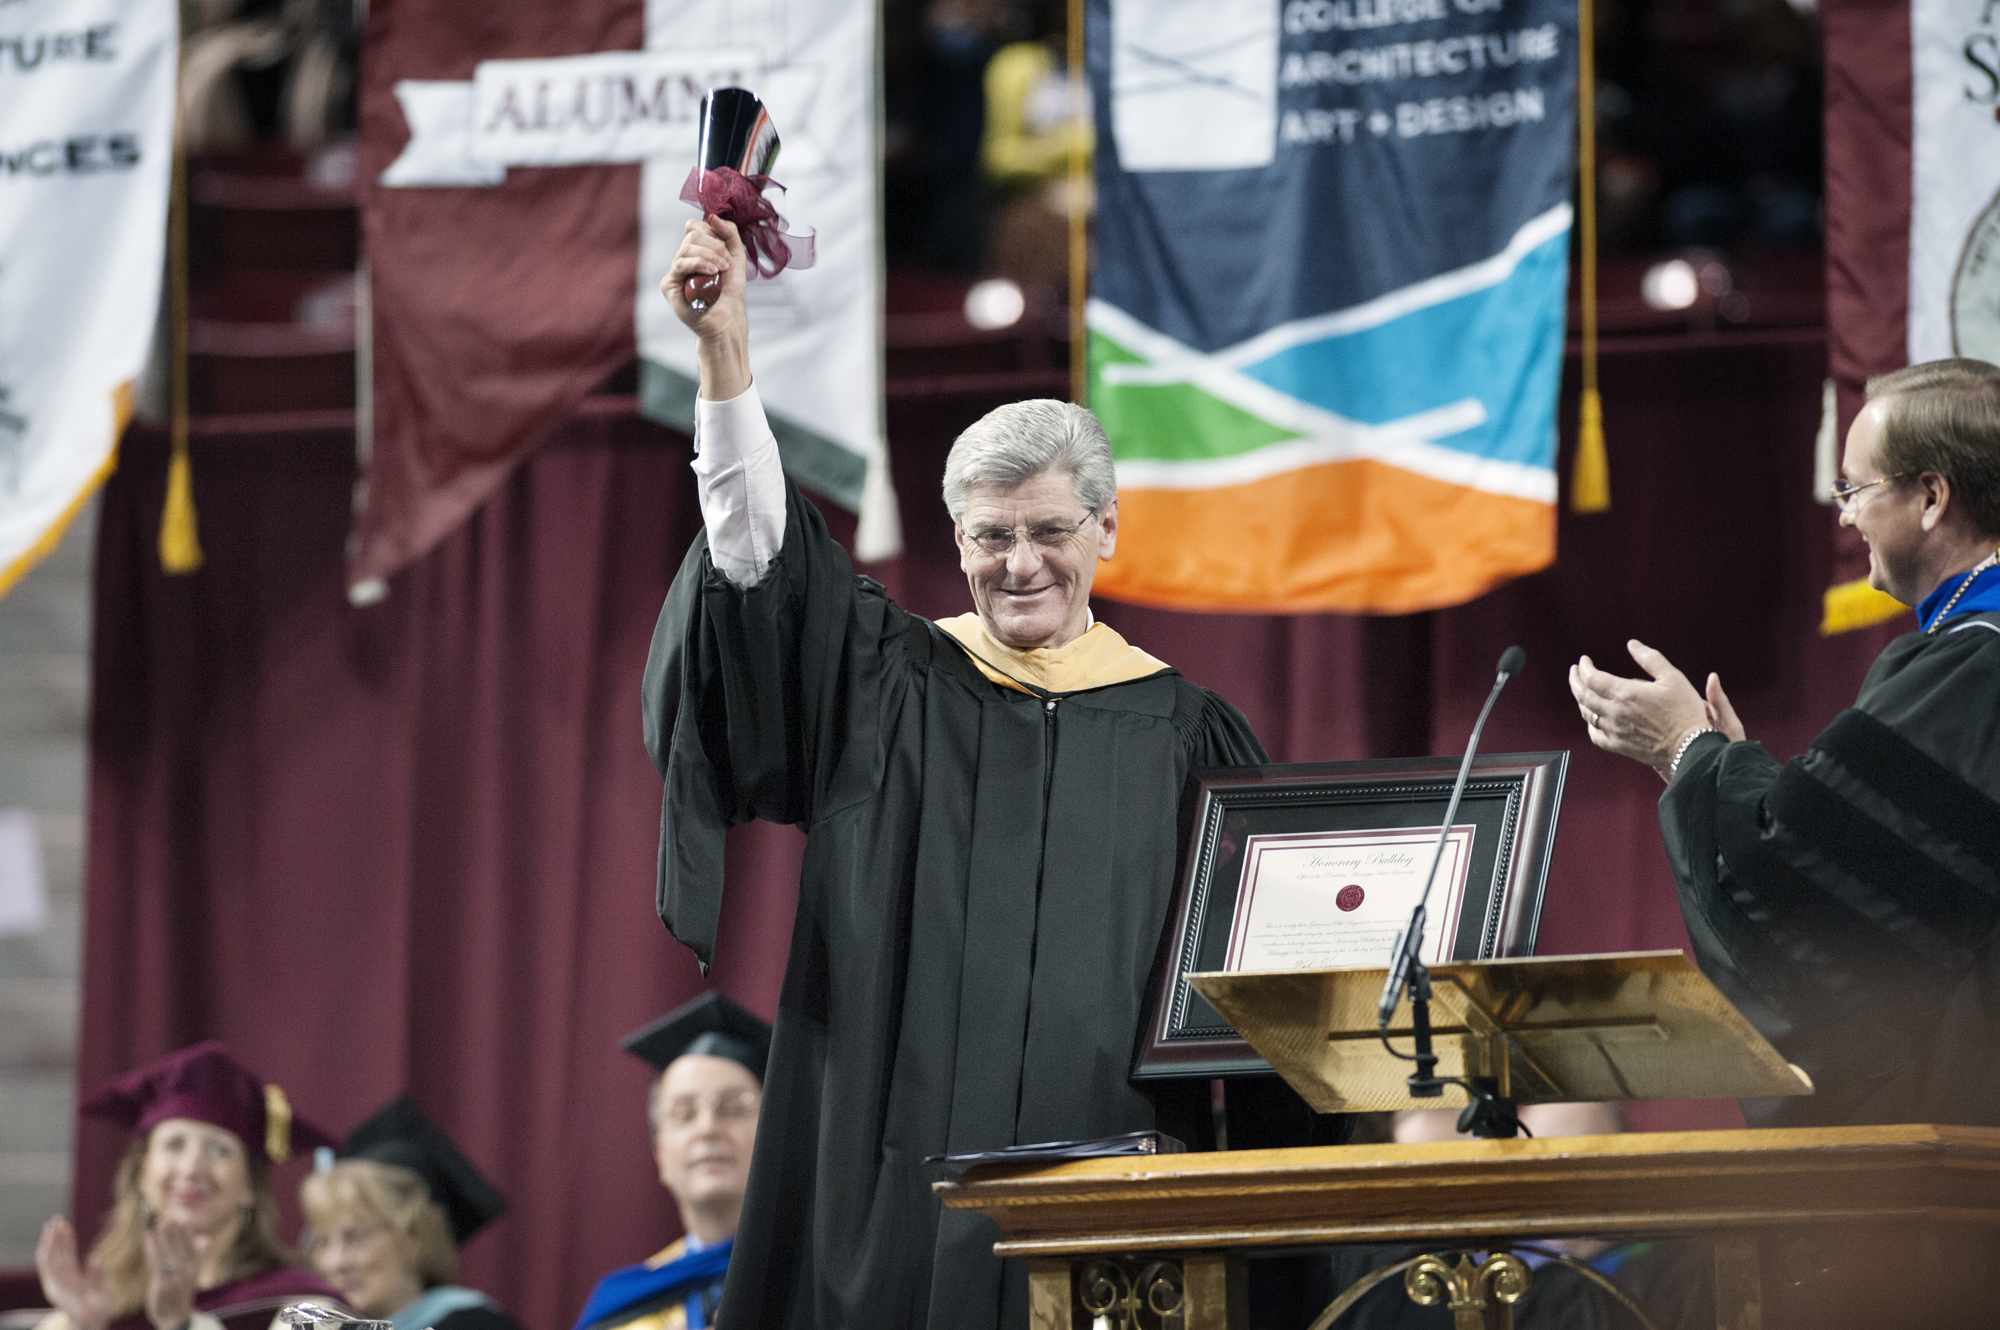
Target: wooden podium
point(1863, 1226)
point(1824, 1227)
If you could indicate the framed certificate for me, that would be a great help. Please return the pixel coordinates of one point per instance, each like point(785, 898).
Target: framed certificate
point(1314, 866)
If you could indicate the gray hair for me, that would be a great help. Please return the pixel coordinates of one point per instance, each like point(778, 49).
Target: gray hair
point(1013, 444)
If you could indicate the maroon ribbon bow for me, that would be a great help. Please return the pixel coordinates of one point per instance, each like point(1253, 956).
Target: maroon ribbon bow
point(734, 197)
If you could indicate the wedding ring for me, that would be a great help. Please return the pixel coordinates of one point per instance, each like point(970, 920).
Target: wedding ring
point(1593, 718)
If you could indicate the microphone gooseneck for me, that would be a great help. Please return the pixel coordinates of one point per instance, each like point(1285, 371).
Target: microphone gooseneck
point(1410, 941)
point(1490, 1113)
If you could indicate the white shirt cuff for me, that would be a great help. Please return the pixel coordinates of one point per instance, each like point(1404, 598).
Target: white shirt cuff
point(741, 483)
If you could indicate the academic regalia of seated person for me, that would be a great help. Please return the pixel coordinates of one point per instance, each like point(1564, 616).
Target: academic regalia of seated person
point(401, 1135)
point(680, 1286)
point(991, 842)
point(252, 1303)
point(207, 1083)
point(1848, 901)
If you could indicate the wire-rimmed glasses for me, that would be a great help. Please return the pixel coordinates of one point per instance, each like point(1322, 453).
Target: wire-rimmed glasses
point(1844, 490)
point(997, 542)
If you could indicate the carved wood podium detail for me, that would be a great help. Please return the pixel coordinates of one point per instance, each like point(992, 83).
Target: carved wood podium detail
point(1824, 1227)
point(1497, 1283)
point(1109, 1293)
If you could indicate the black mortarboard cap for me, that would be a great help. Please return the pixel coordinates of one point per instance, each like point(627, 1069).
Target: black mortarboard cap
point(711, 1025)
point(400, 1133)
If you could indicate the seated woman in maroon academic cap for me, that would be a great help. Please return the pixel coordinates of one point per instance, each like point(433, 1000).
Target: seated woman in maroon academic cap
point(192, 1240)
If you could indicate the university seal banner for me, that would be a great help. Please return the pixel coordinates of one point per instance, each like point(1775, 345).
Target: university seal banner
point(86, 160)
point(1955, 184)
point(1327, 312)
point(524, 167)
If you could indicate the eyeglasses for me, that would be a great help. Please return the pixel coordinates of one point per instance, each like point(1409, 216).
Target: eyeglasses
point(739, 1106)
point(1844, 491)
point(997, 542)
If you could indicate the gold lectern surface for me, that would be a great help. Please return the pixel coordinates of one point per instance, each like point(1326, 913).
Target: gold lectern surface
point(1640, 1184)
point(1636, 1025)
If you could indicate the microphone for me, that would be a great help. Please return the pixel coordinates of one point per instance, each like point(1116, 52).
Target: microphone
point(1411, 940)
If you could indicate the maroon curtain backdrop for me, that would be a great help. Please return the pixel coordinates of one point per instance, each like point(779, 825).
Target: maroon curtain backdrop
point(411, 846)
point(1868, 96)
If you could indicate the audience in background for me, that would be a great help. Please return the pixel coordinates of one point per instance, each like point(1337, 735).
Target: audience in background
point(192, 1240)
point(386, 1220)
point(703, 1110)
point(1025, 152)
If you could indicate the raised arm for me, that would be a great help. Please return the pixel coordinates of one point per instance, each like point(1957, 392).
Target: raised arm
point(738, 475)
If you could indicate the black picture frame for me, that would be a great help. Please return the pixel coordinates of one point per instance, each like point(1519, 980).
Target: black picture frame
point(1512, 799)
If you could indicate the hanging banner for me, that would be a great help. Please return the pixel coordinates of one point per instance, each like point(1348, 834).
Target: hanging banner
point(1955, 181)
point(817, 331)
point(86, 162)
point(1890, 276)
point(523, 204)
point(1327, 311)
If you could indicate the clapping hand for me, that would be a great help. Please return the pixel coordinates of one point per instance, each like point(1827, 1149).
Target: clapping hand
point(173, 1266)
point(1646, 719)
point(77, 1290)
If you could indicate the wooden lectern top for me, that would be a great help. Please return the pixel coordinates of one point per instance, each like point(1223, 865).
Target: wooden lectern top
point(1632, 1025)
point(1642, 1184)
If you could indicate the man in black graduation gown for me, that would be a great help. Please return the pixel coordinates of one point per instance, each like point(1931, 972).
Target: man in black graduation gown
point(990, 804)
point(1847, 900)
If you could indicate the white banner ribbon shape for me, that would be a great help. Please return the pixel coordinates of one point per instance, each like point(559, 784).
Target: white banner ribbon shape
point(614, 106)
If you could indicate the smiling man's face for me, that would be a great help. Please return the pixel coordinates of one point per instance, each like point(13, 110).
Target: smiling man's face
point(1036, 595)
point(707, 1124)
point(1889, 516)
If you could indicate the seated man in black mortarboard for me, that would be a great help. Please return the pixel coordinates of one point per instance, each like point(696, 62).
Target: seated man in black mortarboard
point(387, 1220)
point(703, 1109)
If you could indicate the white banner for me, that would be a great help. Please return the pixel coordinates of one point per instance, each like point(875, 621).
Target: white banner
point(1955, 180)
point(615, 106)
point(86, 157)
point(818, 332)
point(816, 335)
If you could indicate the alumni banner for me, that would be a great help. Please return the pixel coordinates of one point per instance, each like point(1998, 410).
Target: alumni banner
point(86, 162)
point(1327, 311)
point(524, 167)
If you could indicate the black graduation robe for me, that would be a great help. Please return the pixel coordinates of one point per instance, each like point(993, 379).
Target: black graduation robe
point(985, 884)
point(1847, 900)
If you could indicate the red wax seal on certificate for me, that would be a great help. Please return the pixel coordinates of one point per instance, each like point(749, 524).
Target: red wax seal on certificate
point(1350, 897)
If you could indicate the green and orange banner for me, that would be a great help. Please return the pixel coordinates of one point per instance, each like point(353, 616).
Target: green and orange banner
point(1327, 313)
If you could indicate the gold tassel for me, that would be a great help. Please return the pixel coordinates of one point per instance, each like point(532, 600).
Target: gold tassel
point(1853, 605)
point(277, 1125)
point(180, 542)
point(1590, 473)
